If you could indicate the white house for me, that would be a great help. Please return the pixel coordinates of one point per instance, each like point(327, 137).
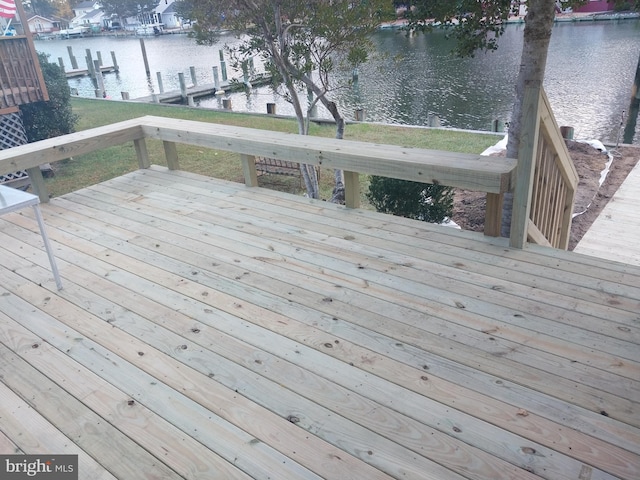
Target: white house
point(40, 25)
point(87, 14)
point(166, 14)
point(84, 7)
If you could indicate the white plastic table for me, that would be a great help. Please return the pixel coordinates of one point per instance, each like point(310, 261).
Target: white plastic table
point(12, 200)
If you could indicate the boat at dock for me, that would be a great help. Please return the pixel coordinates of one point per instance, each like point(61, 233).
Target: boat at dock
point(150, 29)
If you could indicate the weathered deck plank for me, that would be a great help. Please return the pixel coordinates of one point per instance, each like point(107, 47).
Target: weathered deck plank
point(614, 234)
point(262, 335)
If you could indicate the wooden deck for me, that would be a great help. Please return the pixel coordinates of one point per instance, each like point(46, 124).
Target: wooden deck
point(615, 235)
point(210, 330)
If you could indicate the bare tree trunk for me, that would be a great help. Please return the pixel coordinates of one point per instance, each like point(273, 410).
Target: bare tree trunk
point(308, 172)
point(338, 194)
point(309, 175)
point(537, 34)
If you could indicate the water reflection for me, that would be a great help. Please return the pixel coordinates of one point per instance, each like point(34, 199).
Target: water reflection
point(589, 76)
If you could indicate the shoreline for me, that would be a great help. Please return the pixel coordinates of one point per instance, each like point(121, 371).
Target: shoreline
point(396, 24)
point(560, 18)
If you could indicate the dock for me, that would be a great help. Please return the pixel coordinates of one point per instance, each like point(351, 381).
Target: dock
point(83, 72)
point(195, 91)
point(204, 90)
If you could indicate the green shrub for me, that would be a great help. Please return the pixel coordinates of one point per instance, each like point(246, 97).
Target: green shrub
point(420, 201)
point(53, 118)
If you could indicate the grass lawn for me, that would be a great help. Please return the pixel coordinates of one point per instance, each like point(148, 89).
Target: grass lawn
point(78, 172)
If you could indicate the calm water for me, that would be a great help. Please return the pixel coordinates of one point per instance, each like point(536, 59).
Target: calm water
point(589, 76)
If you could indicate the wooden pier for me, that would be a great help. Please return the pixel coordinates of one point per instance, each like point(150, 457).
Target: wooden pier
point(204, 90)
point(83, 72)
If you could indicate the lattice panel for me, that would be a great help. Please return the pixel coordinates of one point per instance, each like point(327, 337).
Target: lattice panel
point(12, 134)
point(12, 131)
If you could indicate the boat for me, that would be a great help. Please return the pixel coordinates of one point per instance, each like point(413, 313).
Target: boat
point(150, 29)
point(80, 31)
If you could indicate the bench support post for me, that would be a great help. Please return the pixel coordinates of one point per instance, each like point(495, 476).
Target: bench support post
point(249, 170)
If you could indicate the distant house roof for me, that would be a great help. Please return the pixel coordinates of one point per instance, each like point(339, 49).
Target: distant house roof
point(91, 14)
point(170, 9)
point(166, 6)
point(86, 4)
point(39, 17)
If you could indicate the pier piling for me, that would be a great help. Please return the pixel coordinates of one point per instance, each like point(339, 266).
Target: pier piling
point(116, 68)
point(567, 132)
point(223, 66)
point(72, 58)
point(192, 71)
point(90, 67)
point(183, 87)
point(144, 57)
point(90, 62)
point(99, 78)
point(216, 82)
point(160, 85)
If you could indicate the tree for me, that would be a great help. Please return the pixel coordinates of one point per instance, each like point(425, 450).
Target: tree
point(420, 201)
point(63, 10)
point(44, 8)
point(477, 25)
point(52, 118)
point(126, 8)
point(301, 45)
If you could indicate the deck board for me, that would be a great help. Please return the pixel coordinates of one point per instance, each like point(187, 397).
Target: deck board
point(614, 234)
point(227, 332)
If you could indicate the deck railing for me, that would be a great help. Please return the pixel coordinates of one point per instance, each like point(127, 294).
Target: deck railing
point(546, 181)
point(492, 175)
point(21, 79)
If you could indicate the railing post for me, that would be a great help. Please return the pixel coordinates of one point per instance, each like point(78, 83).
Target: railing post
point(249, 170)
point(526, 164)
point(141, 152)
point(493, 214)
point(37, 183)
point(351, 189)
point(171, 154)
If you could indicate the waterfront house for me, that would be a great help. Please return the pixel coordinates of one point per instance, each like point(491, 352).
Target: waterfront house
point(39, 25)
point(166, 14)
point(94, 19)
point(596, 6)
